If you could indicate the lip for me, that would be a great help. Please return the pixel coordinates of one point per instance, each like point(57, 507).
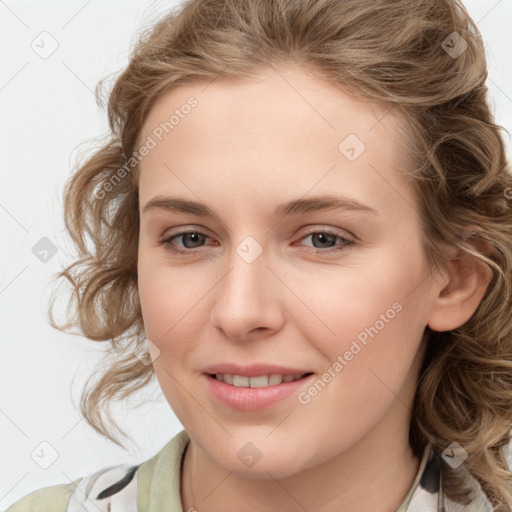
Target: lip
point(253, 399)
point(253, 370)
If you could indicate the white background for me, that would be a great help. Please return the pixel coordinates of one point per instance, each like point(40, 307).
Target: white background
point(47, 109)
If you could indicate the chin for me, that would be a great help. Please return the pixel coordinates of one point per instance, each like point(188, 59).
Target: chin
point(258, 461)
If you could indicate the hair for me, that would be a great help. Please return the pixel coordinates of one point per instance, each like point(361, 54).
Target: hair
point(392, 51)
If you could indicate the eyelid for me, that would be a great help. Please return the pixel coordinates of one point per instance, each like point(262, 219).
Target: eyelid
point(315, 229)
point(332, 231)
point(347, 241)
point(167, 239)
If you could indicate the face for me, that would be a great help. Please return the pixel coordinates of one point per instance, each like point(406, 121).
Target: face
point(338, 291)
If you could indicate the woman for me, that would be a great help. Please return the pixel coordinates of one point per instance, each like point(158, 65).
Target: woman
point(370, 373)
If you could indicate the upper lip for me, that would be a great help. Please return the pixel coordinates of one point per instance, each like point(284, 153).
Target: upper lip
point(253, 370)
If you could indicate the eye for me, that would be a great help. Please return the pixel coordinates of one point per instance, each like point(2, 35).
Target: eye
point(190, 240)
point(326, 238)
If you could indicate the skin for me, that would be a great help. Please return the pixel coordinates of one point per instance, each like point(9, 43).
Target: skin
point(245, 148)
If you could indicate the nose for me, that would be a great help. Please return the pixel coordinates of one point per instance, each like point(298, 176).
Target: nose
point(248, 300)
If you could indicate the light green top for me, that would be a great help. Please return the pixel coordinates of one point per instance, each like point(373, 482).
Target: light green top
point(158, 484)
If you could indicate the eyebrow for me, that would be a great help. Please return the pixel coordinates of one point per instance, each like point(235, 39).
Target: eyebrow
point(296, 206)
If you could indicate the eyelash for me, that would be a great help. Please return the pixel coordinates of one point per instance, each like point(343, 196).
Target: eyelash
point(346, 242)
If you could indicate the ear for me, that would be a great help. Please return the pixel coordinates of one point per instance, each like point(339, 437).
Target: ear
point(462, 288)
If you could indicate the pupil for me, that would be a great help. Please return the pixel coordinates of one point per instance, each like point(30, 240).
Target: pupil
point(323, 235)
point(322, 238)
point(191, 235)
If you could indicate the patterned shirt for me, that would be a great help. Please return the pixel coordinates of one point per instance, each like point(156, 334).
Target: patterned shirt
point(154, 486)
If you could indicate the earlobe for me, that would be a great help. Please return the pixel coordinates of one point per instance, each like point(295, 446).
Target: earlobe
point(458, 299)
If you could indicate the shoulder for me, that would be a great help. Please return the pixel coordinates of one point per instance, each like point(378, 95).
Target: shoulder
point(120, 488)
point(48, 499)
point(113, 488)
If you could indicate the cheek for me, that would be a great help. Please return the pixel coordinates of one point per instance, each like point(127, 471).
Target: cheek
point(167, 326)
point(153, 300)
point(174, 307)
point(362, 380)
point(371, 318)
point(161, 304)
point(349, 300)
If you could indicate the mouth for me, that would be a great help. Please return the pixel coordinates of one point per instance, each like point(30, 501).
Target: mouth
point(255, 393)
point(260, 381)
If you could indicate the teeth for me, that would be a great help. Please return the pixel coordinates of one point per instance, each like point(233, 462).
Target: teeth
point(261, 381)
point(240, 381)
point(258, 382)
point(275, 379)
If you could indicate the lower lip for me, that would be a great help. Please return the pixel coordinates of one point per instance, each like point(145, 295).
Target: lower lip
point(253, 399)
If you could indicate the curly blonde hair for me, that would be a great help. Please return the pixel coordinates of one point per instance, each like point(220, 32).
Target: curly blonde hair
point(394, 51)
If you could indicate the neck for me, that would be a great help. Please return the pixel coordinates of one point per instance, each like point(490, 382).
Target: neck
point(375, 474)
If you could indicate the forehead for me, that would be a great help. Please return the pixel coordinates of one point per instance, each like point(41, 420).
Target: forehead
point(285, 129)
point(274, 95)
